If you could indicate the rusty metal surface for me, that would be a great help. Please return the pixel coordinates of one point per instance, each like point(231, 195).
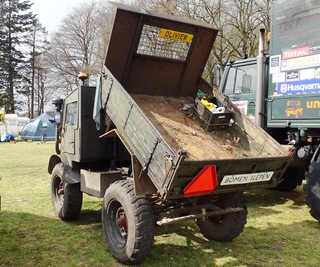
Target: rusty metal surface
point(152, 72)
point(166, 221)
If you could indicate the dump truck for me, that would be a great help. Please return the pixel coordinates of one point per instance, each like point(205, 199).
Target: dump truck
point(282, 94)
point(144, 142)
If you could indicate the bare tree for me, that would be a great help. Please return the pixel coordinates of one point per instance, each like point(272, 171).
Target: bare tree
point(43, 90)
point(80, 44)
point(38, 43)
point(238, 22)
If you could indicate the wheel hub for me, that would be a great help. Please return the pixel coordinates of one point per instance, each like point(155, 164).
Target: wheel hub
point(61, 189)
point(121, 222)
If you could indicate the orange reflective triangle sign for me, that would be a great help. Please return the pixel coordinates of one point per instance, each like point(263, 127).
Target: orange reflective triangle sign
point(204, 183)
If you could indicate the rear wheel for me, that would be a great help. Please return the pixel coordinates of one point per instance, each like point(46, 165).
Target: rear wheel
point(228, 226)
point(127, 222)
point(66, 198)
point(292, 177)
point(312, 189)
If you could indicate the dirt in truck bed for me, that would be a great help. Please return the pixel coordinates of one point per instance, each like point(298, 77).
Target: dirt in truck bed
point(183, 132)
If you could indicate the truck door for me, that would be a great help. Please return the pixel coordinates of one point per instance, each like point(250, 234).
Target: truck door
point(69, 125)
point(240, 86)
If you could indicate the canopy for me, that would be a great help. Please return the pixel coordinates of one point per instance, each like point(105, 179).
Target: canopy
point(33, 130)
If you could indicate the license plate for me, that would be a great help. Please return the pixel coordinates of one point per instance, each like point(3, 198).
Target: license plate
point(246, 178)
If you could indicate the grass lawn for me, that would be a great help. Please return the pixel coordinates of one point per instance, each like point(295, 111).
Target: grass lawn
point(279, 229)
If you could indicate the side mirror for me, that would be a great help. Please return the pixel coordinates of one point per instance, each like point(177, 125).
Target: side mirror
point(57, 117)
point(246, 83)
point(216, 76)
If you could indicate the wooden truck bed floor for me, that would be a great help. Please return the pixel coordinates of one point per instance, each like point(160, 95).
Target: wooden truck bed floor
point(183, 132)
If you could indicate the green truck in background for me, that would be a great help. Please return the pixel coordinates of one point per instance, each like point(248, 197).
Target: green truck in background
point(280, 90)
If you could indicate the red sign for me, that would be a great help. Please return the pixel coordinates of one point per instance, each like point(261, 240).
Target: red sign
point(293, 53)
point(204, 183)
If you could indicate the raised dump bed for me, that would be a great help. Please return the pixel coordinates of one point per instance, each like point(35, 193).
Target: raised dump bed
point(173, 148)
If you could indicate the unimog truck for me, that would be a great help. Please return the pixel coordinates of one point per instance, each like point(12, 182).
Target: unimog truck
point(145, 143)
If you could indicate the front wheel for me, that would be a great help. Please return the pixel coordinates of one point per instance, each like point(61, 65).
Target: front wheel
point(127, 222)
point(66, 198)
point(312, 189)
point(228, 226)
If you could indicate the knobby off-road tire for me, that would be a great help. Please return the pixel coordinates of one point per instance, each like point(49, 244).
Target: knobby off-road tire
point(66, 198)
point(228, 226)
point(128, 223)
point(312, 189)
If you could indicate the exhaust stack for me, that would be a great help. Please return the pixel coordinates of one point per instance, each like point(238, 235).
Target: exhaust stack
point(260, 92)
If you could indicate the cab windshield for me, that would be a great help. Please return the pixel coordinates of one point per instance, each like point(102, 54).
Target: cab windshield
point(241, 80)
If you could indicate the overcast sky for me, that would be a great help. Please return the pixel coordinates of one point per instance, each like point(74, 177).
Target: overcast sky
point(50, 13)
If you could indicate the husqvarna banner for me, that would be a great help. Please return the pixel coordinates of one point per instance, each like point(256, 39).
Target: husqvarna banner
point(299, 87)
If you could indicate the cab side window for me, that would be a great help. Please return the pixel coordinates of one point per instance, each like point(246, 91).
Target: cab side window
point(229, 87)
point(71, 114)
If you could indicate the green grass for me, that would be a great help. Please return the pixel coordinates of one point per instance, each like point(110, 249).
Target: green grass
point(279, 229)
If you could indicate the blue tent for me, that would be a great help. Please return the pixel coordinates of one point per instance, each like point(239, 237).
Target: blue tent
point(44, 116)
point(33, 130)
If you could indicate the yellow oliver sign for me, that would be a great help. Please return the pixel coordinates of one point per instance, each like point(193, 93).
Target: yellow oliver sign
point(174, 35)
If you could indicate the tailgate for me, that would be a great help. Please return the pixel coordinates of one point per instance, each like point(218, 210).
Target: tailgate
point(229, 175)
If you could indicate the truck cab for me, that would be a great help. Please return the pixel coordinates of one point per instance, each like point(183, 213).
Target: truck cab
point(239, 84)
